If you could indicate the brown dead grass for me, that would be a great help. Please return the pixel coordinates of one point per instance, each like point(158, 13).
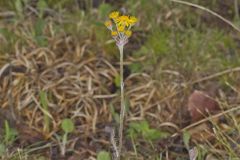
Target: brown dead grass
point(78, 87)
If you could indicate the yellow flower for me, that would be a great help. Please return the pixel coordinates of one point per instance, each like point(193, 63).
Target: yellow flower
point(120, 28)
point(128, 33)
point(114, 33)
point(132, 20)
point(114, 15)
point(122, 20)
point(108, 23)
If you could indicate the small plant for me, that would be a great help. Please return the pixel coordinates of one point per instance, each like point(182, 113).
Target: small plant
point(10, 133)
point(143, 130)
point(8, 138)
point(120, 27)
point(41, 6)
point(44, 105)
point(38, 28)
point(103, 155)
point(67, 126)
point(186, 139)
point(19, 7)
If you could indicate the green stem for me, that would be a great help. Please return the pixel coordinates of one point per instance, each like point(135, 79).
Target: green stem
point(122, 103)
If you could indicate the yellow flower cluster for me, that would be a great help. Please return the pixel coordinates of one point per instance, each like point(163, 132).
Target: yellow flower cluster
point(123, 25)
point(122, 20)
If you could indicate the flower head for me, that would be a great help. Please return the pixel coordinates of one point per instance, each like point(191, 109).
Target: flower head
point(114, 33)
point(108, 23)
point(122, 20)
point(132, 20)
point(114, 15)
point(121, 30)
point(128, 33)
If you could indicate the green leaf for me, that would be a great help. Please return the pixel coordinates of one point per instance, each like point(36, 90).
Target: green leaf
point(10, 39)
point(139, 126)
point(41, 41)
point(115, 115)
point(19, 7)
point(44, 105)
point(104, 9)
point(43, 99)
point(7, 131)
point(103, 155)
point(9, 35)
point(144, 126)
point(117, 80)
point(131, 133)
point(135, 126)
point(186, 139)
point(38, 33)
point(2, 149)
point(10, 133)
point(135, 67)
point(39, 27)
point(41, 5)
point(201, 151)
point(153, 134)
point(142, 129)
point(127, 104)
point(67, 125)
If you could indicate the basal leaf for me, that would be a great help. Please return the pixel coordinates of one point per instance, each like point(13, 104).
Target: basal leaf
point(103, 155)
point(67, 125)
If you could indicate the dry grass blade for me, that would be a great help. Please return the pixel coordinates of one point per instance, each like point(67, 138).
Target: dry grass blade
point(209, 11)
point(208, 119)
point(76, 87)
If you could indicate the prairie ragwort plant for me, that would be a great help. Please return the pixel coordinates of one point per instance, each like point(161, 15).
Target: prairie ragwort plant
point(120, 27)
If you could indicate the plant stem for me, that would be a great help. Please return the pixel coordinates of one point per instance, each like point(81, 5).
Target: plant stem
point(63, 145)
point(122, 102)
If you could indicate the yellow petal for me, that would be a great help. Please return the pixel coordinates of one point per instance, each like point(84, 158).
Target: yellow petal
point(128, 33)
point(114, 15)
point(132, 20)
point(122, 20)
point(114, 33)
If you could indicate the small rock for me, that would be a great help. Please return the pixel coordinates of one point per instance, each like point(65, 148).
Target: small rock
point(200, 104)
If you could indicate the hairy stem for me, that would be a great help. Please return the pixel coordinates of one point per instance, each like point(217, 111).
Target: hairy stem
point(122, 103)
point(10, 94)
point(63, 145)
point(114, 144)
